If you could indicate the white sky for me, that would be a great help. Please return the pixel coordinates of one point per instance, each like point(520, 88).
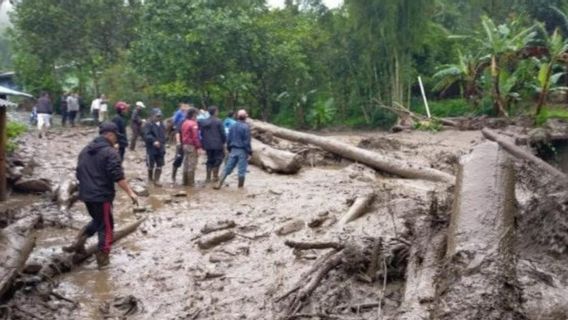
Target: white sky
point(328, 3)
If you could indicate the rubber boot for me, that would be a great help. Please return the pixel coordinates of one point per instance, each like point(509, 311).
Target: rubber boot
point(220, 184)
point(157, 174)
point(215, 174)
point(79, 245)
point(103, 259)
point(174, 172)
point(150, 175)
point(208, 177)
point(241, 182)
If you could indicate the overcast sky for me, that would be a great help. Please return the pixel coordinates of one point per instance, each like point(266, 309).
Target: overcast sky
point(328, 3)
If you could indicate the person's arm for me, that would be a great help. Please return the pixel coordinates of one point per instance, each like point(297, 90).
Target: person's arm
point(195, 137)
point(126, 187)
point(114, 170)
point(221, 129)
point(246, 140)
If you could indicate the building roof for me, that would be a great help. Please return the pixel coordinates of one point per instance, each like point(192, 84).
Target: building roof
point(10, 92)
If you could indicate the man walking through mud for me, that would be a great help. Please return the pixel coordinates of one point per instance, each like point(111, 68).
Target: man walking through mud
point(213, 139)
point(119, 119)
point(189, 135)
point(98, 169)
point(136, 124)
point(155, 138)
point(178, 119)
point(239, 145)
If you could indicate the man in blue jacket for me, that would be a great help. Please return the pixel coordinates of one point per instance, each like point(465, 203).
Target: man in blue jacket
point(98, 169)
point(155, 138)
point(239, 145)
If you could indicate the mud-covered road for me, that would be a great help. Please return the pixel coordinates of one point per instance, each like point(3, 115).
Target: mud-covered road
point(159, 272)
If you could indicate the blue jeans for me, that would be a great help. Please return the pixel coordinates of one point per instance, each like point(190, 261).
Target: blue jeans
point(237, 157)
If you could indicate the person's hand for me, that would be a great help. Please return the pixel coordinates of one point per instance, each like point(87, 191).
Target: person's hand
point(157, 144)
point(134, 198)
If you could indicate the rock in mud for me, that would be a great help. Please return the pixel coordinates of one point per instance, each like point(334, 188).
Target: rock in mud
point(220, 225)
point(360, 172)
point(67, 193)
point(215, 239)
point(139, 187)
point(25, 185)
point(291, 227)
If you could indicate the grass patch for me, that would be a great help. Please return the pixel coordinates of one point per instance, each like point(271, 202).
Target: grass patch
point(14, 129)
point(448, 108)
point(551, 113)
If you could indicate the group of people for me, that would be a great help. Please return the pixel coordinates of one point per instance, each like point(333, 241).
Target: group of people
point(100, 162)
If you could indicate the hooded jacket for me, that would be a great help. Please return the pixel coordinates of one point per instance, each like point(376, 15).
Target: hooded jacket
point(98, 168)
point(122, 136)
point(212, 134)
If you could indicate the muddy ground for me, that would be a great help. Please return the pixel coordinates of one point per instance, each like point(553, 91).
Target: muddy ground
point(159, 272)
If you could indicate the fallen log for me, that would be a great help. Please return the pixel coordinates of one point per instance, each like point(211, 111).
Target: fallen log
point(359, 207)
point(479, 277)
point(215, 239)
point(520, 153)
point(218, 226)
point(369, 158)
point(16, 243)
point(65, 262)
point(274, 160)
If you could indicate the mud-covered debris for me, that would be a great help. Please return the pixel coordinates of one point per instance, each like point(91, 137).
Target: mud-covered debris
point(219, 225)
point(291, 227)
point(121, 307)
point(31, 185)
point(214, 239)
point(139, 187)
point(180, 194)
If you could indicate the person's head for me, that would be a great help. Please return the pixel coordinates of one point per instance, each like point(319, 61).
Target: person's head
point(121, 107)
point(102, 96)
point(44, 94)
point(184, 106)
point(230, 114)
point(212, 110)
point(109, 131)
point(140, 105)
point(242, 115)
point(157, 114)
point(191, 114)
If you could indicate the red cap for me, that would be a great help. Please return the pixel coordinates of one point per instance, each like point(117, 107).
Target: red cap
point(121, 105)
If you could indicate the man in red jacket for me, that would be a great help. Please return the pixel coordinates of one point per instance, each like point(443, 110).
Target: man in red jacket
point(191, 144)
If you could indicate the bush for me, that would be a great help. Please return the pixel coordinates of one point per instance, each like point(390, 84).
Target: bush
point(13, 130)
point(551, 113)
point(449, 108)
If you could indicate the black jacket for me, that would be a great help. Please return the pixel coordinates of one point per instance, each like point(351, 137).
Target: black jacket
point(98, 168)
point(136, 119)
point(212, 134)
point(155, 132)
point(121, 124)
point(44, 105)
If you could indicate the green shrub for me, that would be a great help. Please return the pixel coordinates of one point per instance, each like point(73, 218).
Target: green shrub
point(322, 114)
point(448, 108)
point(428, 125)
point(551, 113)
point(13, 130)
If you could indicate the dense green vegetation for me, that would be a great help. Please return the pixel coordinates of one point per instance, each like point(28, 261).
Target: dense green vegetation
point(303, 65)
point(13, 130)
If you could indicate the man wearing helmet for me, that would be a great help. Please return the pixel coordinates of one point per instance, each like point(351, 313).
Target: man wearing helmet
point(121, 108)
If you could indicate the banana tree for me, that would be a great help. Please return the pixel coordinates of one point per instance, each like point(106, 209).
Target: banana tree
point(502, 43)
point(557, 48)
point(465, 73)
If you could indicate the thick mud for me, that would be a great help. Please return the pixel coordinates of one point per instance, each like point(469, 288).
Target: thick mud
point(159, 272)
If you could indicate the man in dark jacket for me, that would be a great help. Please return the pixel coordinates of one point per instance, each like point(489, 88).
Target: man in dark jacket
point(44, 111)
point(213, 140)
point(136, 124)
point(155, 138)
point(98, 169)
point(239, 145)
point(121, 108)
point(63, 106)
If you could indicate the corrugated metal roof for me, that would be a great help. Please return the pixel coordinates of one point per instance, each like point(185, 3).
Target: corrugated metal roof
point(10, 92)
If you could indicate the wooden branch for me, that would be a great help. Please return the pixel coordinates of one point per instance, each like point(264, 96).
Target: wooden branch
point(62, 263)
point(313, 245)
point(358, 208)
point(16, 244)
point(520, 153)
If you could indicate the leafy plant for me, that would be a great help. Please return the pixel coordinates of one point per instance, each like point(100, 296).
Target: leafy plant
point(551, 113)
point(13, 130)
point(322, 114)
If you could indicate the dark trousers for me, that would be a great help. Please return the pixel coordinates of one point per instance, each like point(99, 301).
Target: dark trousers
point(178, 160)
point(64, 117)
point(154, 159)
point(102, 223)
point(136, 132)
point(96, 115)
point(215, 158)
point(121, 152)
point(71, 115)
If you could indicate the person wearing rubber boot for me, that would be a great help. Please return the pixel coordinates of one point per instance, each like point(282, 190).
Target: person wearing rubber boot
point(213, 139)
point(178, 119)
point(239, 146)
point(98, 169)
point(155, 138)
point(189, 134)
point(136, 124)
point(121, 108)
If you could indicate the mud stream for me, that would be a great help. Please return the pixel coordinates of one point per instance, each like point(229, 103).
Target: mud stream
point(163, 271)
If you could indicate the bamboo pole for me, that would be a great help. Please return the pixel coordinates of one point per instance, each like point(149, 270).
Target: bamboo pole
point(424, 97)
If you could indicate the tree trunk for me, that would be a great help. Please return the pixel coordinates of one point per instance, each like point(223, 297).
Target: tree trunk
point(274, 160)
point(520, 153)
point(359, 207)
point(61, 263)
point(498, 106)
point(3, 137)
point(479, 278)
point(369, 158)
point(16, 243)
